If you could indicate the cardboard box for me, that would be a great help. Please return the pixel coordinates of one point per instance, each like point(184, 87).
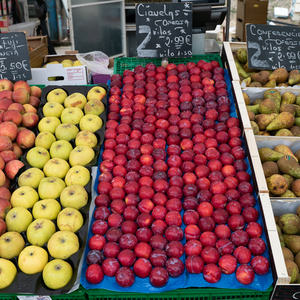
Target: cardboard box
point(38, 49)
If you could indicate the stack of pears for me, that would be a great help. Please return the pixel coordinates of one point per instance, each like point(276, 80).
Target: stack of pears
point(282, 171)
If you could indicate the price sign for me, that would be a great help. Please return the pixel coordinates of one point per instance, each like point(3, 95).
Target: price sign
point(271, 47)
point(164, 29)
point(14, 57)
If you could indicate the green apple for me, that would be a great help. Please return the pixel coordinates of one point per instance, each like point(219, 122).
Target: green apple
point(37, 157)
point(71, 115)
point(74, 196)
point(61, 149)
point(46, 209)
point(56, 167)
point(48, 124)
point(69, 219)
point(18, 219)
point(39, 232)
point(90, 122)
point(86, 138)
point(63, 244)
point(11, 244)
point(45, 139)
point(52, 109)
point(94, 107)
point(57, 273)
point(24, 196)
point(66, 131)
point(96, 92)
point(51, 187)
point(81, 156)
point(75, 100)
point(8, 272)
point(31, 177)
point(57, 95)
point(78, 175)
point(32, 259)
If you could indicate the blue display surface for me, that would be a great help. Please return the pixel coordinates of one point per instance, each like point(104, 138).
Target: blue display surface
point(186, 280)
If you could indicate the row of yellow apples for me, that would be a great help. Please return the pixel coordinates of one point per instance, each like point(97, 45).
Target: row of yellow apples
point(66, 63)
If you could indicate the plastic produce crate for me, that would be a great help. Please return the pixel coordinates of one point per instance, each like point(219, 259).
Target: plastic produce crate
point(123, 63)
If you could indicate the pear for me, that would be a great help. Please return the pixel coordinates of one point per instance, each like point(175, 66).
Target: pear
point(273, 94)
point(284, 84)
point(283, 120)
point(255, 84)
point(246, 82)
point(270, 83)
point(290, 179)
point(289, 165)
point(246, 99)
point(280, 75)
point(294, 77)
point(255, 128)
point(284, 132)
point(288, 194)
point(288, 107)
point(240, 70)
point(277, 185)
point(246, 68)
point(288, 98)
point(268, 154)
point(268, 106)
point(261, 77)
point(253, 108)
point(285, 150)
point(251, 115)
point(297, 110)
point(257, 101)
point(297, 121)
point(270, 168)
point(241, 55)
point(263, 120)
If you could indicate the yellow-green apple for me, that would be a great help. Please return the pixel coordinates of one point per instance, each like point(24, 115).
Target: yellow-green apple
point(21, 84)
point(2, 163)
point(12, 168)
point(9, 129)
point(63, 244)
point(31, 177)
point(81, 156)
point(2, 228)
point(25, 138)
point(5, 103)
point(74, 196)
point(96, 92)
point(8, 155)
point(77, 63)
point(75, 100)
point(56, 167)
point(34, 101)
point(24, 196)
point(47, 209)
point(53, 109)
point(5, 207)
point(69, 219)
point(32, 259)
point(71, 115)
point(51, 187)
point(57, 273)
point(17, 150)
point(17, 106)
point(8, 272)
point(2, 177)
point(78, 175)
point(18, 219)
point(67, 63)
point(57, 95)
point(30, 120)
point(61, 149)
point(6, 94)
point(45, 139)
point(48, 124)
point(20, 96)
point(5, 143)
point(94, 107)
point(37, 157)
point(35, 91)
point(90, 122)
point(29, 108)
point(39, 231)
point(66, 131)
point(12, 116)
point(11, 244)
point(5, 193)
point(6, 84)
point(86, 138)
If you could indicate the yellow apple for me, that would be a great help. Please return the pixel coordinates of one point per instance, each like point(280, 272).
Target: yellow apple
point(45, 139)
point(51, 187)
point(81, 156)
point(69, 219)
point(52, 109)
point(86, 138)
point(90, 122)
point(67, 63)
point(8, 272)
point(78, 175)
point(11, 244)
point(48, 124)
point(66, 131)
point(71, 115)
point(32, 259)
point(77, 63)
point(57, 273)
point(96, 92)
point(39, 232)
point(18, 219)
point(94, 107)
point(61, 149)
point(63, 244)
point(56, 167)
point(46, 209)
point(37, 157)
point(74, 196)
point(57, 95)
point(31, 177)
point(24, 196)
point(75, 100)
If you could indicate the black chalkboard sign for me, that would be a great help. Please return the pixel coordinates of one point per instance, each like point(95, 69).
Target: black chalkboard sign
point(271, 47)
point(286, 292)
point(164, 29)
point(14, 57)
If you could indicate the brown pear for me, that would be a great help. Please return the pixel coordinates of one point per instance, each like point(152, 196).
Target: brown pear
point(297, 154)
point(280, 75)
point(263, 120)
point(270, 168)
point(265, 133)
point(268, 106)
point(287, 253)
point(292, 242)
point(294, 77)
point(251, 115)
point(288, 98)
point(255, 84)
point(285, 150)
point(295, 130)
point(292, 270)
point(283, 120)
point(277, 184)
point(284, 84)
point(274, 95)
point(289, 108)
point(296, 187)
point(283, 132)
point(246, 99)
point(288, 165)
point(262, 77)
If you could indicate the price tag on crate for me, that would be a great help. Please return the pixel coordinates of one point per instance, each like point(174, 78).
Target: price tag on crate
point(271, 47)
point(164, 29)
